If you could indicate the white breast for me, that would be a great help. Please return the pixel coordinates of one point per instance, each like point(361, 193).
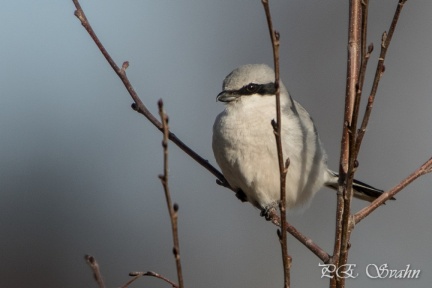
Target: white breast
point(245, 149)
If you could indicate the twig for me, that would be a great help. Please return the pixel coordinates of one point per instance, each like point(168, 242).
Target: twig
point(422, 170)
point(365, 55)
point(137, 275)
point(172, 209)
point(385, 43)
point(306, 241)
point(138, 105)
point(91, 261)
point(283, 164)
point(364, 30)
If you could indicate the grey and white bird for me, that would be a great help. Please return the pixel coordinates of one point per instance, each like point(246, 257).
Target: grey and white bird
point(244, 144)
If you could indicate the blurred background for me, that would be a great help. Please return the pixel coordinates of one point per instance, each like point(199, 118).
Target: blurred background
point(79, 168)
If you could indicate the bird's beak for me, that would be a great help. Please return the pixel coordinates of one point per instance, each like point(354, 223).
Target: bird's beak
point(227, 96)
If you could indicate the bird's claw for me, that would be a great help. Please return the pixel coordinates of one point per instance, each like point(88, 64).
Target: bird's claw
point(268, 212)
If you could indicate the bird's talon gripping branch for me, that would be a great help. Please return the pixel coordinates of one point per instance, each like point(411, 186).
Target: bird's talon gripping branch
point(270, 211)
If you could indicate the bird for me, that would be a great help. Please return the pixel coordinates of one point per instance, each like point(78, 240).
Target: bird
point(244, 143)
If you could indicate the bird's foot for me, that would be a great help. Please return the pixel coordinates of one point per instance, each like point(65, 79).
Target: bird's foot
point(269, 211)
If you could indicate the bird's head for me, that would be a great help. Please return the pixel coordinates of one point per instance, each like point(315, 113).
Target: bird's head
point(247, 80)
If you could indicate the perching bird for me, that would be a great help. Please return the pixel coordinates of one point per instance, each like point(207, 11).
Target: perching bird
point(244, 144)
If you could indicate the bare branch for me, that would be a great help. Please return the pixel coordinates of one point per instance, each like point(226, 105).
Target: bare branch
point(364, 22)
point(172, 209)
point(306, 241)
point(365, 55)
point(277, 129)
point(138, 105)
point(422, 170)
point(385, 43)
point(91, 261)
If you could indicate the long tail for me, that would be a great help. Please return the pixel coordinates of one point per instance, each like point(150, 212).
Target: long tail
point(362, 190)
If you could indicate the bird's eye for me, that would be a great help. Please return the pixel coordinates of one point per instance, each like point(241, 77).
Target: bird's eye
point(252, 87)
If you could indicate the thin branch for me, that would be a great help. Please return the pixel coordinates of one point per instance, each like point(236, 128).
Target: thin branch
point(91, 261)
point(137, 275)
point(172, 209)
point(365, 56)
point(306, 241)
point(385, 43)
point(283, 165)
point(364, 22)
point(138, 105)
point(422, 170)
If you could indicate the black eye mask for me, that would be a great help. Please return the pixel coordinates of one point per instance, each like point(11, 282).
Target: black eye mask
point(253, 88)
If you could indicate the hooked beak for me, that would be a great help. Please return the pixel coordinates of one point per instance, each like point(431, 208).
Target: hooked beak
point(227, 96)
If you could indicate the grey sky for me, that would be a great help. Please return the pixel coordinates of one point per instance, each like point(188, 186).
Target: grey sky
point(79, 168)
